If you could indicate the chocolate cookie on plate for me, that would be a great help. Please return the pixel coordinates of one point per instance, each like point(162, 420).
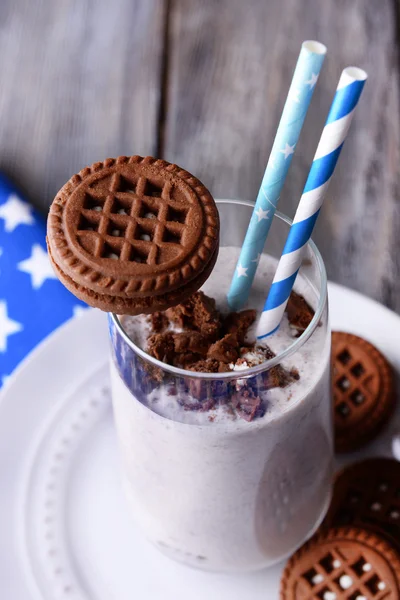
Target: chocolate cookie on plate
point(367, 494)
point(363, 391)
point(343, 564)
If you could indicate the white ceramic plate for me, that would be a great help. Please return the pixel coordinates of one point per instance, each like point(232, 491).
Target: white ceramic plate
point(65, 530)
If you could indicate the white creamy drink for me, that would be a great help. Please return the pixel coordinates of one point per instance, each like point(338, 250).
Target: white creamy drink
point(208, 487)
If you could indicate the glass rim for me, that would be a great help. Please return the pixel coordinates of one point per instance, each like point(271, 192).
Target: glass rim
point(268, 364)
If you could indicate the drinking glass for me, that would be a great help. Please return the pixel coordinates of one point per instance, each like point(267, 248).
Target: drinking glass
point(229, 495)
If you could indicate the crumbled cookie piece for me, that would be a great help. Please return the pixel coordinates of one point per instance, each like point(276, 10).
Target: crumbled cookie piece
point(185, 360)
point(209, 365)
point(158, 321)
point(225, 350)
point(198, 312)
point(190, 341)
point(161, 346)
point(277, 377)
point(255, 355)
point(300, 314)
point(239, 322)
point(246, 403)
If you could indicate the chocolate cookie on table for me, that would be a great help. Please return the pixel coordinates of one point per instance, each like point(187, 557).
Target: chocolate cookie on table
point(343, 564)
point(133, 235)
point(363, 391)
point(367, 494)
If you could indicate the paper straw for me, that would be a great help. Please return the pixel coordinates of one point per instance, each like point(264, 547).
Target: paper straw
point(348, 92)
point(305, 77)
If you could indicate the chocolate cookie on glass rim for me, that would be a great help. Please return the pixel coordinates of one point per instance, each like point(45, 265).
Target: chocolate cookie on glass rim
point(133, 235)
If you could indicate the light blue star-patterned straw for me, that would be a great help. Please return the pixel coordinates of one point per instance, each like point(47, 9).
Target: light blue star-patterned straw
point(348, 92)
point(301, 89)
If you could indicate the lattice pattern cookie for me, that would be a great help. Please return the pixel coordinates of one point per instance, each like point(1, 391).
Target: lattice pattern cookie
point(133, 235)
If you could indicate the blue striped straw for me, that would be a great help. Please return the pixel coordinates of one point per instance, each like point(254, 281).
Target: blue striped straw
point(348, 92)
point(305, 77)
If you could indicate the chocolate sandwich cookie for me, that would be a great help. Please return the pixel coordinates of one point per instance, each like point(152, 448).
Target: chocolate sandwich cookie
point(363, 391)
point(343, 564)
point(133, 235)
point(367, 495)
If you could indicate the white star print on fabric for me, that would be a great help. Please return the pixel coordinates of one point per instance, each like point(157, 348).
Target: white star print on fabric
point(242, 271)
point(79, 311)
point(287, 150)
point(312, 81)
point(257, 260)
point(28, 288)
point(15, 212)
point(37, 266)
point(7, 326)
point(262, 214)
point(271, 162)
point(294, 94)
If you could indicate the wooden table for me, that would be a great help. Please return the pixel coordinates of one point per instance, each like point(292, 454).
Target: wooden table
point(202, 83)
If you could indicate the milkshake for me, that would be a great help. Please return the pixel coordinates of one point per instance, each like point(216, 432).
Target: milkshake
point(228, 470)
point(226, 443)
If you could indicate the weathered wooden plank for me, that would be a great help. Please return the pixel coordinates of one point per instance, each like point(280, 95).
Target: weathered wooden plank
point(79, 82)
point(230, 67)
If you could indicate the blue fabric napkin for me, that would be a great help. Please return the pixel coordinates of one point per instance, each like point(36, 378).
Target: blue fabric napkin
point(32, 301)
